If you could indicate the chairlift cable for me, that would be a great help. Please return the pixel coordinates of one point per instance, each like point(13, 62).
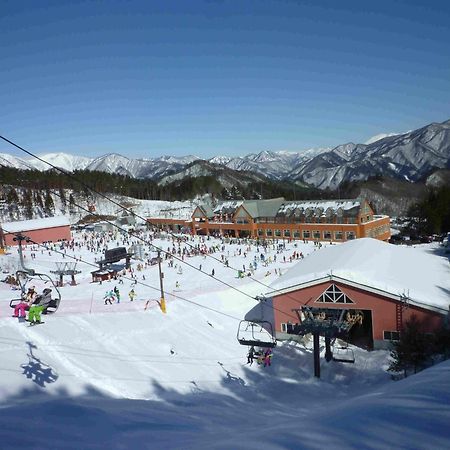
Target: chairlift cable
point(138, 237)
point(132, 213)
point(135, 281)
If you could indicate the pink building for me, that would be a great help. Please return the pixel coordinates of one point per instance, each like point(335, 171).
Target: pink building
point(383, 283)
point(49, 229)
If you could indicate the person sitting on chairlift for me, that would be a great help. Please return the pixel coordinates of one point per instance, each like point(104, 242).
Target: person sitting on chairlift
point(251, 355)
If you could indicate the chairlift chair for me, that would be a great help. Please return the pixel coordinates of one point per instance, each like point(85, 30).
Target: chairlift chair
point(23, 278)
point(256, 333)
point(342, 353)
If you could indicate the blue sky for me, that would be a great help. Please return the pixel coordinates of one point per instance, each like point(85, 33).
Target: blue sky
point(148, 78)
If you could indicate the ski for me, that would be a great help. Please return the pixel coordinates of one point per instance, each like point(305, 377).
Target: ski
point(32, 324)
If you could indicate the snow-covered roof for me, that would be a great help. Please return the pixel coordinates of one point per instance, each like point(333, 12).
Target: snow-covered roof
point(421, 275)
point(34, 224)
point(228, 207)
point(334, 205)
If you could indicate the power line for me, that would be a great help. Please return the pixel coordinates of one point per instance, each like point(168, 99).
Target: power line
point(140, 238)
point(135, 281)
point(82, 183)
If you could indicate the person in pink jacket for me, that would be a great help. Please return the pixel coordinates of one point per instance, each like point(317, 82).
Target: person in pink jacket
point(21, 308)
point(267, 357)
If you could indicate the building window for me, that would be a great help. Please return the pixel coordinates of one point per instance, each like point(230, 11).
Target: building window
point(316, 234)
point(260, 232)
point(284, 327)
point(351, 220)
point(350, 235)
point(287, 233)
point(269, 232)
point(338, 235)
point(296, 234)
point(327, 235)
point(368, 218)
point(391, 335)
point(278, 233)
point(333, 295)
point(306, 234)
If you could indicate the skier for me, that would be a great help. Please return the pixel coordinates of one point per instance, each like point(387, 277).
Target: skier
point(117, 293)
point(132, 295)
point(267, 357)
point(39, 305)
point(20, 308)
point(251, 355)
point(108, 297)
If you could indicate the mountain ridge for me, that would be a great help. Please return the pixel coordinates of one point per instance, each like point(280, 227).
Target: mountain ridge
point(409, 156)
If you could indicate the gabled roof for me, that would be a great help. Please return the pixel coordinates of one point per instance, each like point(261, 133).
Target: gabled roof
point(394, 271)
point(263, 208)
point(205, 209)
point(34, 224)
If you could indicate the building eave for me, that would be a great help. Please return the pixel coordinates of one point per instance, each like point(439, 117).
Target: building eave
point(329, 278)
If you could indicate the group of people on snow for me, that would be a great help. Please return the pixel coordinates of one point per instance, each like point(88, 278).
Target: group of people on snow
point(114, 296)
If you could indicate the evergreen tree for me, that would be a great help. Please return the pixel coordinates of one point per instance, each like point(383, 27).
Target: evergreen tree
point(62, 196)
point(49, 205)
point(432, 215)
point(71, 203)
point(27, 202)
point(412, 350)
point(38, 200)
point(12, 197)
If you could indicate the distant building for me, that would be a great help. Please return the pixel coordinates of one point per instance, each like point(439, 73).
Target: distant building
point(49, 229)
point(384, 283)
point(319, 220)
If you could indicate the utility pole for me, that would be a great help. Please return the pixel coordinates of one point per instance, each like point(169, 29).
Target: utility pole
point(162, 302)
point(19, 238)
point(316, 354)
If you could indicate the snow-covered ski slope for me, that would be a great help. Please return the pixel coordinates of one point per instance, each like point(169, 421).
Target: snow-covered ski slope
point(119, 376)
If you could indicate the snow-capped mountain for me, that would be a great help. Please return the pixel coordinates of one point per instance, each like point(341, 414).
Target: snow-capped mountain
point(275, 165)
point(378, 137)
point(13, 161)
point(225, 176)
point(61, 160)
point(409, 156)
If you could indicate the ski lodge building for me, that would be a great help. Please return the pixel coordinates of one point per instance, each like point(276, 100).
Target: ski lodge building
point(49, 229)
point(323, 220)
point(384, 284)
